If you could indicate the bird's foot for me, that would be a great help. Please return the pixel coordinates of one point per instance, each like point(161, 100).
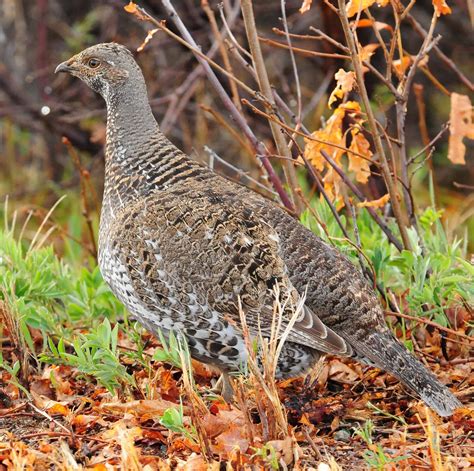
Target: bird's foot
point(224, 388)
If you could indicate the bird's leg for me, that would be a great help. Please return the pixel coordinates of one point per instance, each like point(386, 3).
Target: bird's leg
point(224, 387)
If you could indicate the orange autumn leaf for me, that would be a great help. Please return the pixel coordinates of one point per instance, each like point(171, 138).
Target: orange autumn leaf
point(441, 8)
point(305, 6)
point(330, 134)
point(58, 409)
point(354, 6)
point(130, 8)
point(195, 463)
point(345, 83)
point(379, 203)
point(133, 9)
point(50, 406)
point(367, 23)
point(367, 51)
point(333, 186)
point(461, 125)
point(365, 54)
point(359, 165)
point(401, 65)
point(100, 467)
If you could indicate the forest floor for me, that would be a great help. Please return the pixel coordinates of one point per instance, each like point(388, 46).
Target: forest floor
point(350, 417)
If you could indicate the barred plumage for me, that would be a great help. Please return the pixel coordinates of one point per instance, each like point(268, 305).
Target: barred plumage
point(181, 246)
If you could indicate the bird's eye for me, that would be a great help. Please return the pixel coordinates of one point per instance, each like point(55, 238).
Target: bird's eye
point(93, 63)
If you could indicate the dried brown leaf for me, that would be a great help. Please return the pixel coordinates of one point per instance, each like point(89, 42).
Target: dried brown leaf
point(48, 405)
point(126, 437)
point(345, 83)
point(342, 373)
point(378, 203)
point(461, 125)
point(357, 164)
point(146, 408)
point(283, 449)
point(148, 38)
point(305, 6)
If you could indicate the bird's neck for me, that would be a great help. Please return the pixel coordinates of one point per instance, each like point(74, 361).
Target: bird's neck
point(131, 126)
point(138, 156)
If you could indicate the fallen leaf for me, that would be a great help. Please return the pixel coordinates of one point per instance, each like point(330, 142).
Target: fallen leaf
point(48, 405)
point(99, 467)
point(146, 408)
point(441, 8)
point(194, 463)
point(342, 373)
point(378, 203)
point(229, 432)
point(42, 387)
point(283, 449)
point(461, 125)
point(305, 6)
point(214, 425)
point(345, 83)
point(126, 437)
point(82, 421)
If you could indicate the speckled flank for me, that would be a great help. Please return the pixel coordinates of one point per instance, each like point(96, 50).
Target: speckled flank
point(180, 245)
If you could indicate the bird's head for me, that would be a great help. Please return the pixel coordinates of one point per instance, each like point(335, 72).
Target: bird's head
point(104, 67)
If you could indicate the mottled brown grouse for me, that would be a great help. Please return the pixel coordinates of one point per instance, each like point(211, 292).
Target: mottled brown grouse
point(180, 246)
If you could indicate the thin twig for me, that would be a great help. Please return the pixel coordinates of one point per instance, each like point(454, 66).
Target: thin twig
point(293, 64)
point(225, 56)
point(85, 203)
point(304, 52)
point(432, 324)
point(446, 60)
point(227, 101)
point(392, 189)
point(265, 88)
point(401, 109)
point(391, 237)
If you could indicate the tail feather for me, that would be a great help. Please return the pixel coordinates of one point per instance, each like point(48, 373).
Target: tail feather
point(385, 352)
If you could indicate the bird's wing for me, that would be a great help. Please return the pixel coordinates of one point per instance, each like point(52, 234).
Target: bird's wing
point(221, 251)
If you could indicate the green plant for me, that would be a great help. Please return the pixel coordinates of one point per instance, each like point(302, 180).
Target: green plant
point(13, 371)
point(432, 276)
point(94, 354)
point(173, 419)
point(268, 455)
point(170, 350)
point(375, 456)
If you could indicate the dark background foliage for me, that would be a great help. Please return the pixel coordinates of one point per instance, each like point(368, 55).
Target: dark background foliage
point(37, 108)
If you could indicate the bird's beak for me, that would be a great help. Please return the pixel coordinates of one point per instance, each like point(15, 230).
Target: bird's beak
point(65, 66)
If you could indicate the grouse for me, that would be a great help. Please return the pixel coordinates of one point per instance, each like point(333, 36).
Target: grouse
point(185, 249)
